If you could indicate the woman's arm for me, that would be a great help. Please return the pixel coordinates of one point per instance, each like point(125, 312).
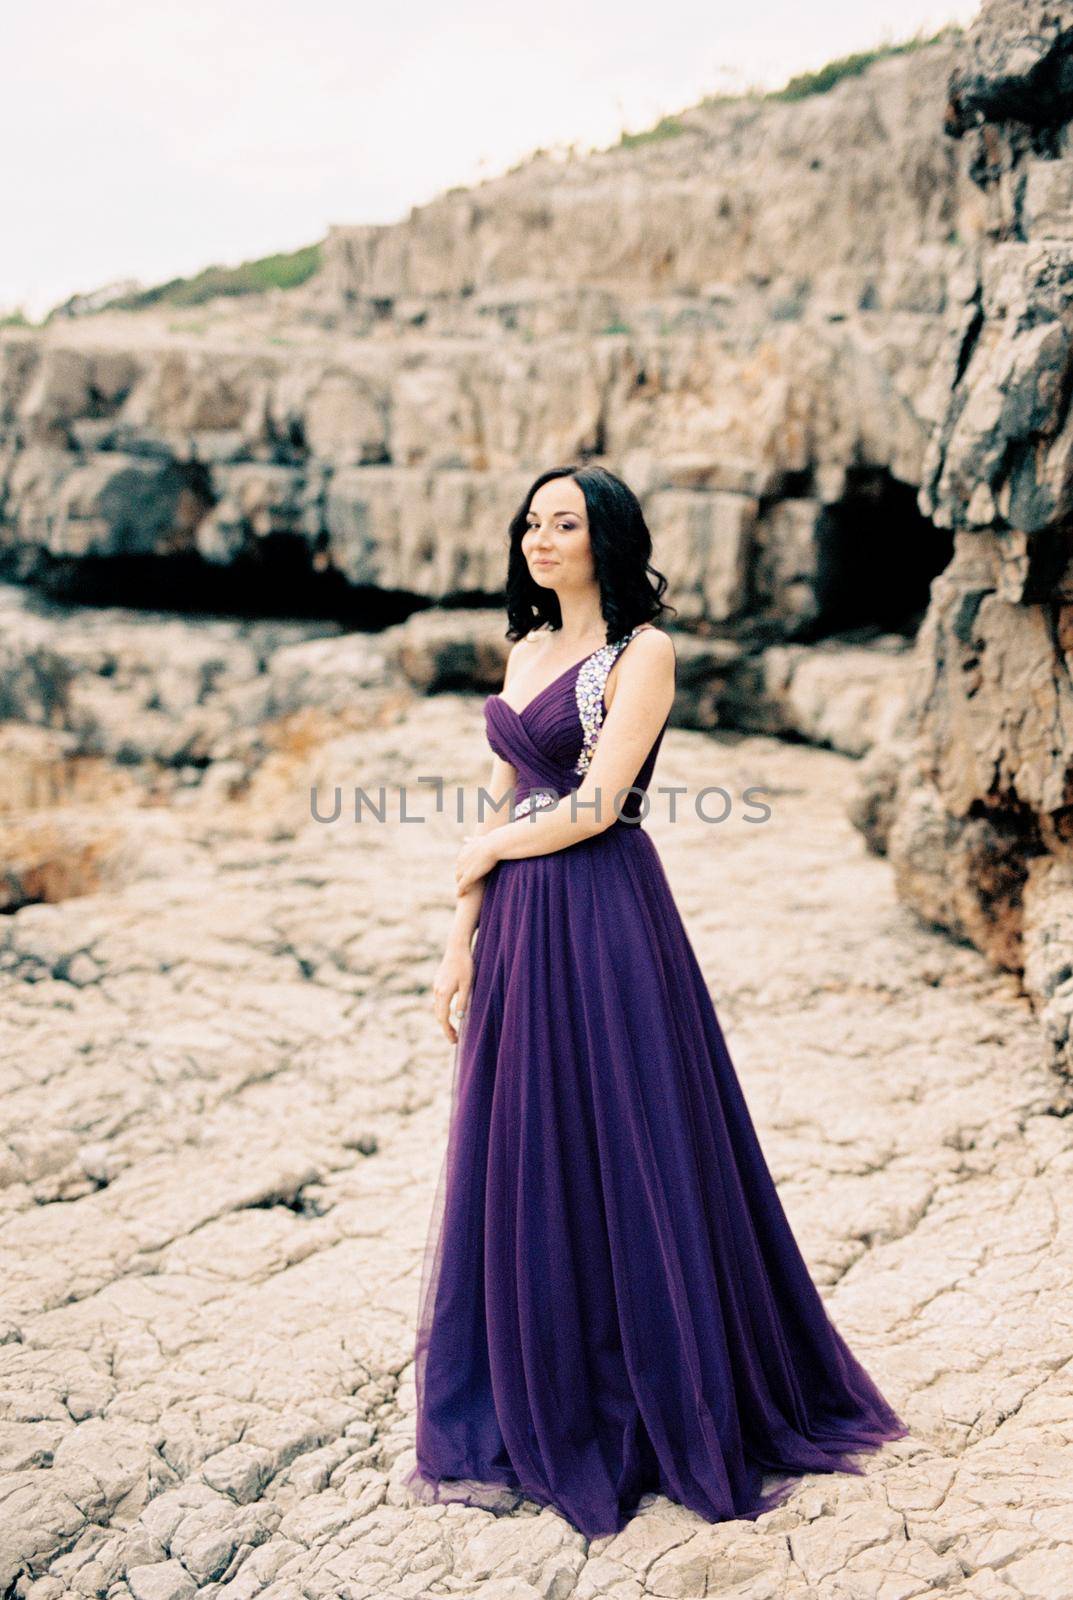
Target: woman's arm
point(502, 782)
point(455, 975)
point(640, 706)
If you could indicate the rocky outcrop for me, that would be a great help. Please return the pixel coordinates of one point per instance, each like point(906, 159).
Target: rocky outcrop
point(1016, 67)
point(978, 816)
point(746, 212)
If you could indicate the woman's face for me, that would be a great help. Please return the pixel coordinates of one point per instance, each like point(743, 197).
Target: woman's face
point(556, 542)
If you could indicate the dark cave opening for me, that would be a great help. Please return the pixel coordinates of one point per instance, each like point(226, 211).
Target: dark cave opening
point(276, 577)
point(876, 557)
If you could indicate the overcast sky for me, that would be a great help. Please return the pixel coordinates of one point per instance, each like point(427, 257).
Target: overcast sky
point(146, 141)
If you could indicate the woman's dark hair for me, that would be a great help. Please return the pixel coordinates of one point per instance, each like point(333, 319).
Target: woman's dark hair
point(621, 547)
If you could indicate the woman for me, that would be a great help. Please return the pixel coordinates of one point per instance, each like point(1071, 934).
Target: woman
point(612, 1300)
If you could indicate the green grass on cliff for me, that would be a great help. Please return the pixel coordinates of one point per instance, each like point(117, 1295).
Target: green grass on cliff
point(806, 83)
point(666, 128)
point(283, 271)
point(798, 87)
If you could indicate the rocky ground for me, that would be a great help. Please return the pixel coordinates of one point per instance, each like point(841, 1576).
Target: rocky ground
point(225, 1105)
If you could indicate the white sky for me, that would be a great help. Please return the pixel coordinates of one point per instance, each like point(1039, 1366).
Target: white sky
point(145, 140)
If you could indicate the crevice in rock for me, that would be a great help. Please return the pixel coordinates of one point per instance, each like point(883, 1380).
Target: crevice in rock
point(48, 879)
point(89, 1186)
point(18, 900)
point(795, 483)
point(1015, 820)
point(971, 336)
point(366, 1143)
point(296, 1200)
point(471, 599)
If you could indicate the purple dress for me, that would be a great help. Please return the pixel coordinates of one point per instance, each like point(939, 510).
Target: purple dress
point(612, 1300)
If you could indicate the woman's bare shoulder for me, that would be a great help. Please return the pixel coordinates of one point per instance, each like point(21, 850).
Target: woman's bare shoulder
point(659, 645)
point(651, 653)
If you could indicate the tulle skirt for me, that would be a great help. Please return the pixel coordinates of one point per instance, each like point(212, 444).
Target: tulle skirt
point(611, 1298)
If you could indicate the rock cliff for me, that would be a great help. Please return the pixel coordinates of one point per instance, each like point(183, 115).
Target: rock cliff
point(977, 794)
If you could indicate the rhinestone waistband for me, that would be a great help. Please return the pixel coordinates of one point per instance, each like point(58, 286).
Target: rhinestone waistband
point(541, 798)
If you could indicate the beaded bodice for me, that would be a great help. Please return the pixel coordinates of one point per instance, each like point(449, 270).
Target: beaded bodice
point(551, 741)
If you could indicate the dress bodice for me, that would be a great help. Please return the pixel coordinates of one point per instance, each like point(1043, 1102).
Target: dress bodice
point(551, 741)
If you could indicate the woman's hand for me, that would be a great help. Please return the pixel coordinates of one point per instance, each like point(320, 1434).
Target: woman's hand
point(475, 860)
point(450, 989)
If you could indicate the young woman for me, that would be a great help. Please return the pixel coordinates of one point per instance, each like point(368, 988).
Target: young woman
point(612, 1300)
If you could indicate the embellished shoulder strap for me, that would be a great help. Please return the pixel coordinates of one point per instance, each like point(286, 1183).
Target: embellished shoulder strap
point(589, 691)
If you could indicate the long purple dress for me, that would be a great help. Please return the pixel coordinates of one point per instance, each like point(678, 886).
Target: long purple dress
point(612, 1300)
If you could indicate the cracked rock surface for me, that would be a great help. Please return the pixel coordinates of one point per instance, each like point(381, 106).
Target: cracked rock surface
point(224, 1112)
